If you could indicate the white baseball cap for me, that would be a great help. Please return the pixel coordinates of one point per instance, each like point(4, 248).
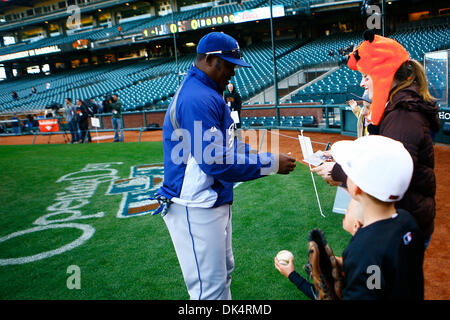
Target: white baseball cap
point(380, 166)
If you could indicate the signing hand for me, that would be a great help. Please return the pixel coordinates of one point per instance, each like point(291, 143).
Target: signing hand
point(324, 170)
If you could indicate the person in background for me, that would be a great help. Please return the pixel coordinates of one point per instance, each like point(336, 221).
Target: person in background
point(106, 104)
point(83, 116)
point(16, 126)
point(361, 112)
point(72, 120)
point(31, 122)
point(117, 122)
point(233, 101)
point(92, 107)
point(14, 95)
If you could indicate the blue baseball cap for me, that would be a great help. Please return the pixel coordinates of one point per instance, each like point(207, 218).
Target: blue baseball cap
point(223, 46)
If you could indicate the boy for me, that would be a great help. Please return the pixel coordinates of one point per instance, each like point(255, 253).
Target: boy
point(385, 256)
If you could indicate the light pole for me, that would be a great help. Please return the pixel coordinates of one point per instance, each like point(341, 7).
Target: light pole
point(383, 19)
point(175, 45)
point(275, 81)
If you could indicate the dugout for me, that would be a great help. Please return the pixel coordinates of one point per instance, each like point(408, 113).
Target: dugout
point(437, 71)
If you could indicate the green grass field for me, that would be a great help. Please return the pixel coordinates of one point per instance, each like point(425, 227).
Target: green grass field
point(133, 258)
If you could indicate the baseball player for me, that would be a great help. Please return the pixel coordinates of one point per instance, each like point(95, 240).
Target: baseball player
point(202, 160)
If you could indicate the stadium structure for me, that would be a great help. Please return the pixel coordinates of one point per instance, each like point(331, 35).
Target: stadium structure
point(141, 50)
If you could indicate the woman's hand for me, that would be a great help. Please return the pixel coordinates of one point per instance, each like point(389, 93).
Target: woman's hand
point(324, 170)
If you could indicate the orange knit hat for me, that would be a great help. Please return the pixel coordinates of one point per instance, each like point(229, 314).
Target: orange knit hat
point(380, 58)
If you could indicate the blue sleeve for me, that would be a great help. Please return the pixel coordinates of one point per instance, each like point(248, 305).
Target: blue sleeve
point(216, 150)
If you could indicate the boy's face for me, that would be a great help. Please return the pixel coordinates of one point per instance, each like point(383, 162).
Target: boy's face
point(350, 223)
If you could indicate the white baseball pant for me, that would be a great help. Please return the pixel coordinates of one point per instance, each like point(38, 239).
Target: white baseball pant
point(202, 241)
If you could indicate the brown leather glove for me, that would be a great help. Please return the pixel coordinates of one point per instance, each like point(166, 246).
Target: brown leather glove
point(323, 267)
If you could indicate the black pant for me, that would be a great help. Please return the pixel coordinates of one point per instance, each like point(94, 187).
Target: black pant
point(85, 134)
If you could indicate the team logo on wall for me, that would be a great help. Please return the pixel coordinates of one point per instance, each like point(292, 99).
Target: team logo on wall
point(143, 182)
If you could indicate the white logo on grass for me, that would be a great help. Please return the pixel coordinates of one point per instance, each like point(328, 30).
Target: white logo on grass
point(88, 231)
point(143, 182)
point(83, 185)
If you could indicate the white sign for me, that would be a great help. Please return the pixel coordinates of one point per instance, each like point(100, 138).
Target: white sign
point(258, 14)
point(29, 53)
point(309, 156)
point(95, 122)
point(235, 116)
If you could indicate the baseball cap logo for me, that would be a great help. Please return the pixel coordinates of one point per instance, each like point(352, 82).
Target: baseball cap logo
point(223, 46)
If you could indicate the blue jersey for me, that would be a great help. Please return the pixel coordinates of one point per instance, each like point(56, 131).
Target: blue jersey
point(202, 157)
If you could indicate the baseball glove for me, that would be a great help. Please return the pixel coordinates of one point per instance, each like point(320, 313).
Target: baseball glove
point(323, 267)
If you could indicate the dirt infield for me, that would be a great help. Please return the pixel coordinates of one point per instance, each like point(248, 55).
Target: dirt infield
point(436, 271)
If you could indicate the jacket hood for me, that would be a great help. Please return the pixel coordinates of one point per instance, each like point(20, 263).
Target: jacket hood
point(380, 58)
point(409, 99)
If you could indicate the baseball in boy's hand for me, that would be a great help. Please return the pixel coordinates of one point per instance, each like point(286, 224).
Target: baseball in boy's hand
point(283, 257)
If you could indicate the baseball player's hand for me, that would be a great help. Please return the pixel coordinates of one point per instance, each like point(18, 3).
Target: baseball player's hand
point(353, 104)
point(286, 163)
point(324, 170)
point(285, 270)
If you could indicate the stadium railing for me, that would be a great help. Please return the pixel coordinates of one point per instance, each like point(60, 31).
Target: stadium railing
point(327, 118)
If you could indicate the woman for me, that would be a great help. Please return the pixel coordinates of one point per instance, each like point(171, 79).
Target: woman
point(83, 116)
point(402, 109)
point(362, 111)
